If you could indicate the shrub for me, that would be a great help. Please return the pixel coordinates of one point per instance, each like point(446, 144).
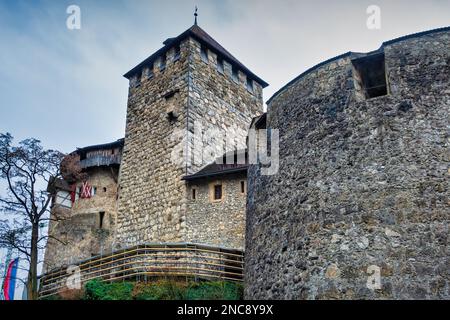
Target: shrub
point(98, 290)
point(218, 290)
point(163, 290)
point(160, 290)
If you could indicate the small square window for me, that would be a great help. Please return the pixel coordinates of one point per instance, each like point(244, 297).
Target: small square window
point(235, 75)
point(218, 192)
point(220, 65)
point(204, 54)
point(370, 76)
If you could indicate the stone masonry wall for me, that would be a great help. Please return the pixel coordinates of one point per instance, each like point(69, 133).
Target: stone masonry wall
point(220, 223)
point(78, 231)
point(361, 183)
point(218, 102)
point(152, 201)
point(151, 198)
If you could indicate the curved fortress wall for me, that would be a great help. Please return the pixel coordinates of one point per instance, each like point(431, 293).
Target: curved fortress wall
point(363, 182)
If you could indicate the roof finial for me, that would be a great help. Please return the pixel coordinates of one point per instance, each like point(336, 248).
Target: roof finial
point(195, 15)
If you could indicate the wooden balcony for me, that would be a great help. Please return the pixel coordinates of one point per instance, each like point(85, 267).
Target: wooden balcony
point(101, 160)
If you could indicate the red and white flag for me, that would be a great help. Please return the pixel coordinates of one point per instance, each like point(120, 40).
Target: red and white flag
point(86, 190)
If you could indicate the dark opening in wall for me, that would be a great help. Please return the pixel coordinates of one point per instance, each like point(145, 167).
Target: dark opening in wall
point(138, 79)
point(101, 217)
point(194, 194)
point(249, 84)
point(242, 186)
point(235, 74)
point(150, 72)
point(177, 53)
point(370, 75)
point(163, 62)
point(220, 65)
point(172, 116)
point(204, 53)
point(218, 192)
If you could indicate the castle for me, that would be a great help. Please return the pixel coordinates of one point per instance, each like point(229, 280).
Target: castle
point(156, 185)
point(358, 209)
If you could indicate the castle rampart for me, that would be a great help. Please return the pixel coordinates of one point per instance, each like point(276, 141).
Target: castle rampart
point(359, 208)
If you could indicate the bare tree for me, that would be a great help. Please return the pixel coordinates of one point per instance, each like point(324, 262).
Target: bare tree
point(27, 170)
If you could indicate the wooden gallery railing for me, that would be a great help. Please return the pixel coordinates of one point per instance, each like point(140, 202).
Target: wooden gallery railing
point(149, 261)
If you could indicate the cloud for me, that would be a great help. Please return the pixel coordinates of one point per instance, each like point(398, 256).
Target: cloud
point(66, 87)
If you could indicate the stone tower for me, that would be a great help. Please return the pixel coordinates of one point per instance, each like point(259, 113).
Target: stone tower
point(191, 78)
point(360, 206)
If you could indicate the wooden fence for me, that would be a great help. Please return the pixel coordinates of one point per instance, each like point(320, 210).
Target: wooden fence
point(145, 262)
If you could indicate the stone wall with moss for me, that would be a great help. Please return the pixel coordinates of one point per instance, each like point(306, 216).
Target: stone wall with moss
point(362, 184)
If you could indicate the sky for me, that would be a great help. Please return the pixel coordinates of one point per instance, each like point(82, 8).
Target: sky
point(65, 87)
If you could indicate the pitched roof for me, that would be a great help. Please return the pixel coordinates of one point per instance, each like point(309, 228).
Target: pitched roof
point(116, 144)
point(199, 34)
point(214, 169)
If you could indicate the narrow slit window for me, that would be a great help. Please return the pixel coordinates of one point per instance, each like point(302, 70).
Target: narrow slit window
point(249, 84)
point(150, 72)
point(177, 54)
point(138, 79)
point(220, 65)
point(194, 194)
point(204, 54)
point(370, 76)
point(101, 217)
point(242, 186)
point(235, 75)
point(162, 65)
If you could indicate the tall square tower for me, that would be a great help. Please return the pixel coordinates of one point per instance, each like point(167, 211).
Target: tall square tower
point(191, 86)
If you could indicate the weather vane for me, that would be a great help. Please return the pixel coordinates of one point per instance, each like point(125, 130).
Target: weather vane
point(195, 15)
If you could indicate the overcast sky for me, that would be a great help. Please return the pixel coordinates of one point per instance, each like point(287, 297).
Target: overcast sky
point(66, 88)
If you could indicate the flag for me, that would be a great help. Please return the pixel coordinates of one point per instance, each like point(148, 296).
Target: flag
point(86, 191)
point(9, 284)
